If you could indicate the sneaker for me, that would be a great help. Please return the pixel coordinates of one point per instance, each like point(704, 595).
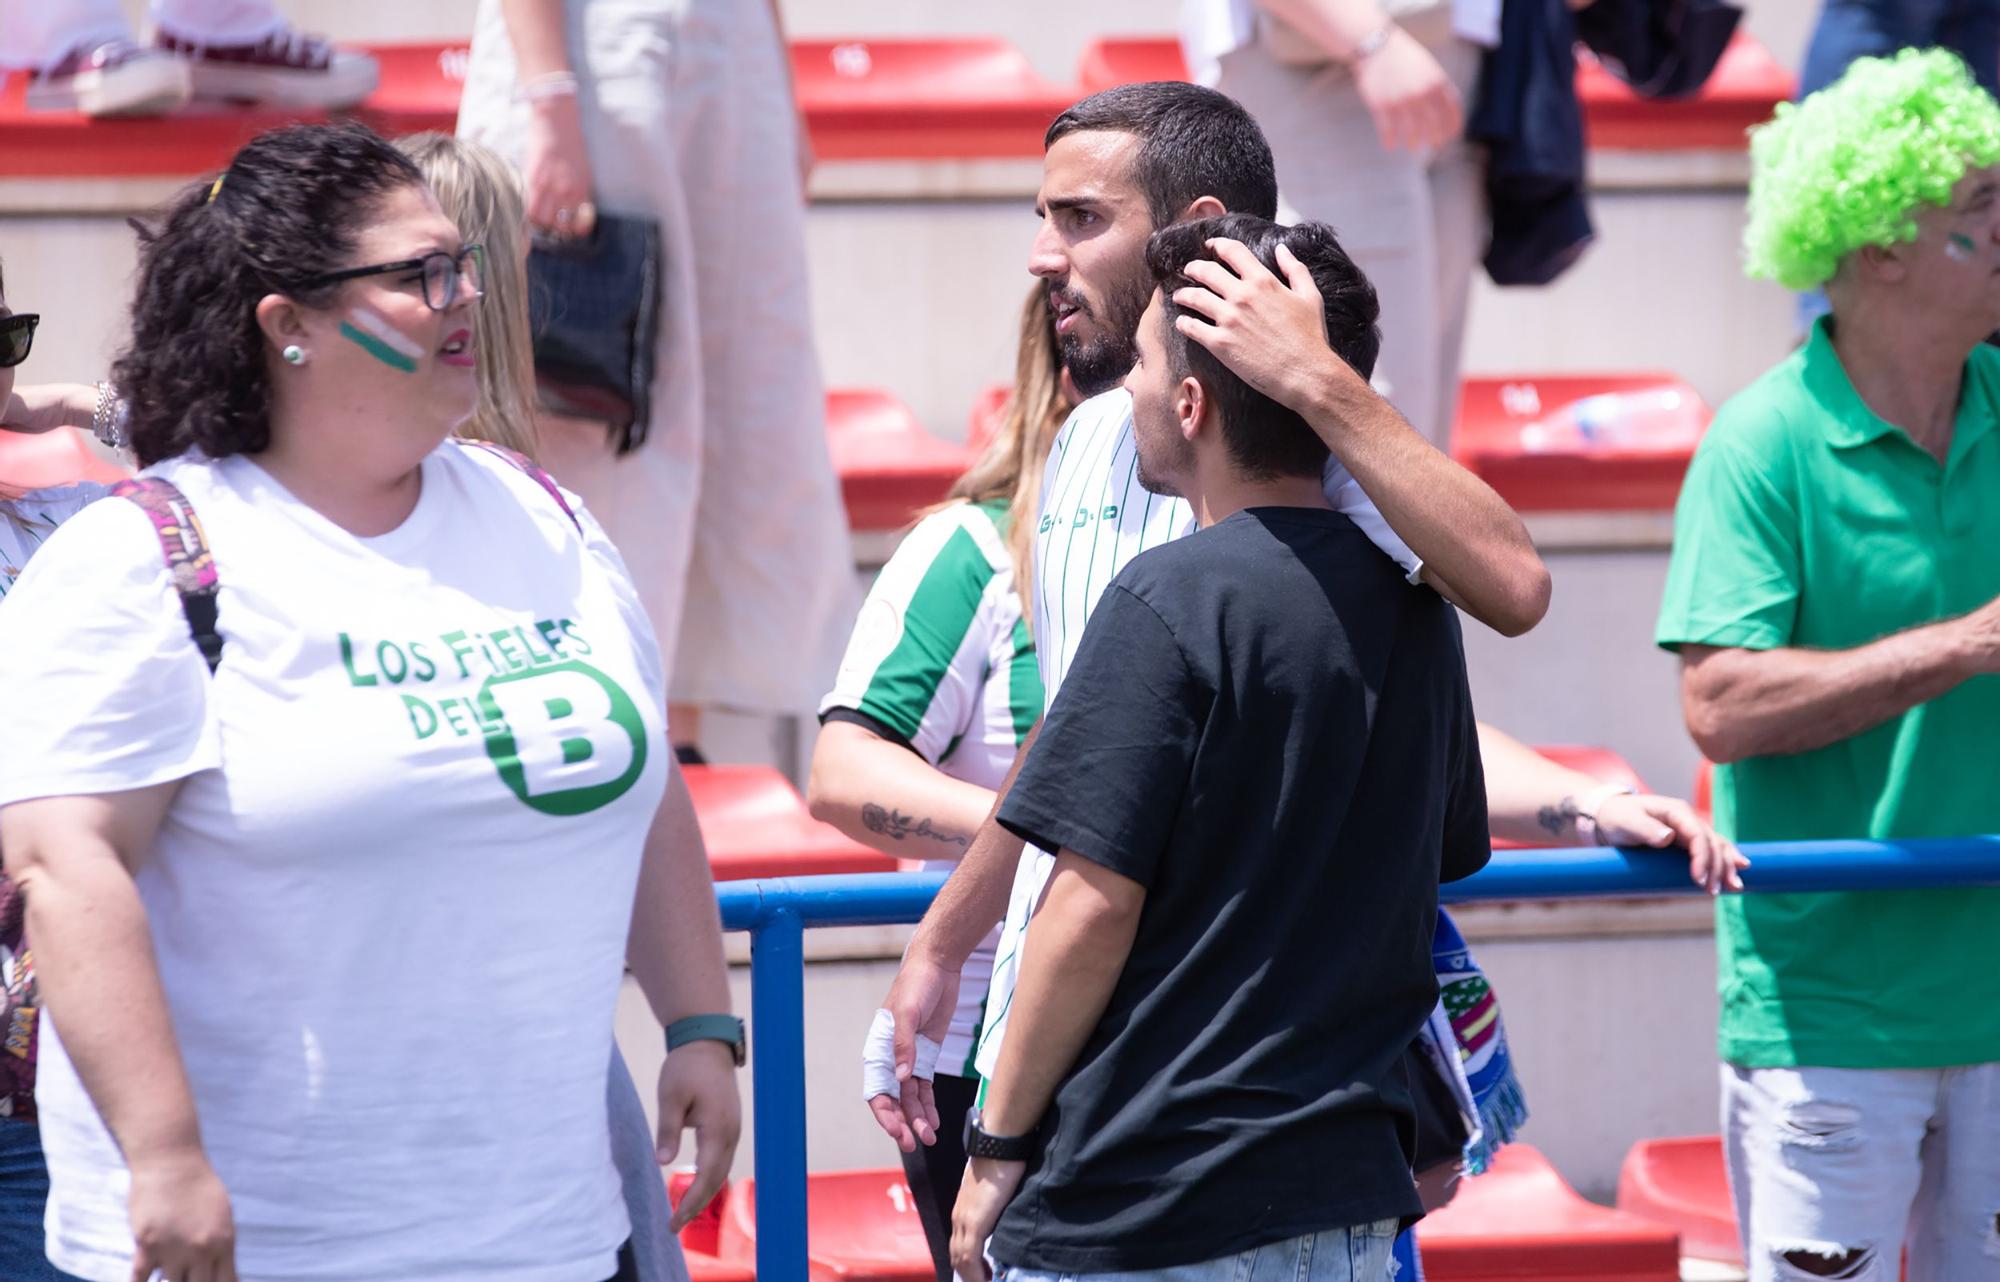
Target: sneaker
point(285, 69)
point(112, 78)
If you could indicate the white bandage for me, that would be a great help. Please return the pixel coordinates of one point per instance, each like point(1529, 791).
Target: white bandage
point(878, 1059)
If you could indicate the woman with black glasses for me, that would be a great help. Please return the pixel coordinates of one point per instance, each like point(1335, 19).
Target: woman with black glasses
point(332, 835)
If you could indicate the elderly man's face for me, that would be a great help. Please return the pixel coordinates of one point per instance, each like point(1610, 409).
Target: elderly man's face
point(1955, 262)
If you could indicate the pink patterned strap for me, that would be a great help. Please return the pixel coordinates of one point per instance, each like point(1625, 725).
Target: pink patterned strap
point(535, 472)
point(184, 548)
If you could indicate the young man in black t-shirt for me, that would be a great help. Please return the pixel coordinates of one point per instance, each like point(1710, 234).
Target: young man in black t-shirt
point(1262, 763)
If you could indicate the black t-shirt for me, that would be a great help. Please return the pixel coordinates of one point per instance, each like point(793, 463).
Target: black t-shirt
point(1270, 730)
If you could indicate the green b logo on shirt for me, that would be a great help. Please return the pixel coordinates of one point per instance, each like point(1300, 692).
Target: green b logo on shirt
point(565, 738)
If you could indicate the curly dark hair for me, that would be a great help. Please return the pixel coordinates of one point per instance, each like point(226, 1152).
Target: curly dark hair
point(284, 212)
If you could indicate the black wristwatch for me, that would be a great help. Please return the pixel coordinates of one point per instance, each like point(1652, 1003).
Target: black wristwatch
point(727, 1029)
point(999, 1148)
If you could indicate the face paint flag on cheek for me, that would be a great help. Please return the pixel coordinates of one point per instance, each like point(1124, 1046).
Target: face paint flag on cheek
point(372, 333)
point(1960, 247)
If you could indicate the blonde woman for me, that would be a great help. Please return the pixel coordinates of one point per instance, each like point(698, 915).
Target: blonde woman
point(481, 193)
point(938, 689)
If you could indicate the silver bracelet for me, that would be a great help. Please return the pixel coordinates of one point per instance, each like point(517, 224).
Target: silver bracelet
point(107, 420)
point(1372, 43)
point(552, 84)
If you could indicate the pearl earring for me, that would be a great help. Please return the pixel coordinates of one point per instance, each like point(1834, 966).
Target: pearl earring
point(295, 355)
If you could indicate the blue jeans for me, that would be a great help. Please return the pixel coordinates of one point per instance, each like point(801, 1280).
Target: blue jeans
point(1359, 1254)
point(1850, 29)
point(24, 1193)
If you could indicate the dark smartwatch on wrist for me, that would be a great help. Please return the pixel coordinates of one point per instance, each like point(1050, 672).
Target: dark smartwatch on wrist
point(998, 1148)
point(727, 1029)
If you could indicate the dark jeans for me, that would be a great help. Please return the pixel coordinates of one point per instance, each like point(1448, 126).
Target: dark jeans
point(24, 1192)
point(1850, 29)
point(934, 1171)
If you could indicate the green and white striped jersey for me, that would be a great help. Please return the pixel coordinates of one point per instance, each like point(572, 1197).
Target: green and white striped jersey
point(1095, 518)
point(941, 659)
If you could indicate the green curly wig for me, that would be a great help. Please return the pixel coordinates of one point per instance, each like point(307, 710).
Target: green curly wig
point(1847, 167)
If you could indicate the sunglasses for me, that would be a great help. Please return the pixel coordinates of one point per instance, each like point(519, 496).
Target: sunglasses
point(17, 336)
point(440, 272)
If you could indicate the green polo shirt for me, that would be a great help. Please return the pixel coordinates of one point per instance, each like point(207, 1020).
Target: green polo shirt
point(1806, 521)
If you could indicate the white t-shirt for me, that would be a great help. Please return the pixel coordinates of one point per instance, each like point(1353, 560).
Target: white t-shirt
point(1095, 518)
point(390, 900)
point(941, 658)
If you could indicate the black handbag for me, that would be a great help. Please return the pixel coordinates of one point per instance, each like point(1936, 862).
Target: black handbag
point(594, 309)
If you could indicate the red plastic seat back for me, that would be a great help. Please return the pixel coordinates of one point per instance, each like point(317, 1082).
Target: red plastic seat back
point(869, 99)
point(420, 88)
point(61, 457)
point(1683, 1184)
point(60, 144)
point(1124, 60)
point(890, 468)
point(755, 824)
point(1521, 1220)
point(861, 1226)
point(1704, 790)
point(1568, 442)
point(989, 411)
point(1745, 88)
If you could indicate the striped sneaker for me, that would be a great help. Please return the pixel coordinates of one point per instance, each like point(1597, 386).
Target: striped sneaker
point(112, 78)
point(287, 68)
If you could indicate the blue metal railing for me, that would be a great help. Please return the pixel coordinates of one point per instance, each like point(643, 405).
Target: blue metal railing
point(778, 912)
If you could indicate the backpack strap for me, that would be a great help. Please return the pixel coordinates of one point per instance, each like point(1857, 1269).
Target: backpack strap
point(533, 471)
point(185, 550)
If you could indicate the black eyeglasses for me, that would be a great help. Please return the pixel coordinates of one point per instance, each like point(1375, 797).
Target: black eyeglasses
point(17, 335)
point(441, 274)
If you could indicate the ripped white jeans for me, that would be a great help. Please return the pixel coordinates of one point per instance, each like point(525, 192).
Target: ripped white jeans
point(1835, 1171)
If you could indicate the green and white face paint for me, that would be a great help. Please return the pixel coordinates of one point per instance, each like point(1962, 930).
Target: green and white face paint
point(372, 333)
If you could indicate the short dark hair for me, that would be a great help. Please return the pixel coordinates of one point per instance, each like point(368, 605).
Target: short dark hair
point(1193, 142)
point(1264, 438)
point(283, 213)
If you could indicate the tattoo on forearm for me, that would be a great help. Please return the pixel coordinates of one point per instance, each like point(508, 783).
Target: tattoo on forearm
point(1559, 818)
point(896, 824)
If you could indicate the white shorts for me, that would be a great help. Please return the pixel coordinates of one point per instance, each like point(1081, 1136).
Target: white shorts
point(1836, 1170)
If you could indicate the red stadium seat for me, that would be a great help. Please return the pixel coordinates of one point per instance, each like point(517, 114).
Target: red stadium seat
point(1747, 85)
point(755, 824)
point(1125, 60)
point(699, 1238)
point(890, 467)
point(1704, 790)
point(987, 413)
point(861, 1226)
point(1570, 442)
point(1745, 88)
point(419, 90)
point(62, 144)
point(1599, 763)
point(1683, 1184)
point(61, 457)
point(1522, 1221)
point(901, 99)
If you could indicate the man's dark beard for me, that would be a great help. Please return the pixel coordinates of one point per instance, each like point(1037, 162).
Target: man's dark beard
point(1102, 363)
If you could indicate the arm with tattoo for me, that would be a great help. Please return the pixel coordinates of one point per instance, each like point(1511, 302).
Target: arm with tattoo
point(884, 795)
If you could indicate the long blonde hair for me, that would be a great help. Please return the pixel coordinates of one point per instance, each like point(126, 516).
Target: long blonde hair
point(481, 193)
point(1011, 466)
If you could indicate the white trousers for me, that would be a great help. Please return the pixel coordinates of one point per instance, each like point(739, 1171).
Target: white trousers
point(36, 33)
point(728, 516)
point(1415, 223)
point(1835, 1171)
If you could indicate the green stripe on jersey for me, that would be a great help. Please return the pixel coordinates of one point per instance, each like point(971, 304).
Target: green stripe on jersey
point(940, 612)
point(1024, 683)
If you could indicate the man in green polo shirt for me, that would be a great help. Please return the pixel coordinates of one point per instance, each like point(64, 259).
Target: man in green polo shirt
point(1833, 600)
